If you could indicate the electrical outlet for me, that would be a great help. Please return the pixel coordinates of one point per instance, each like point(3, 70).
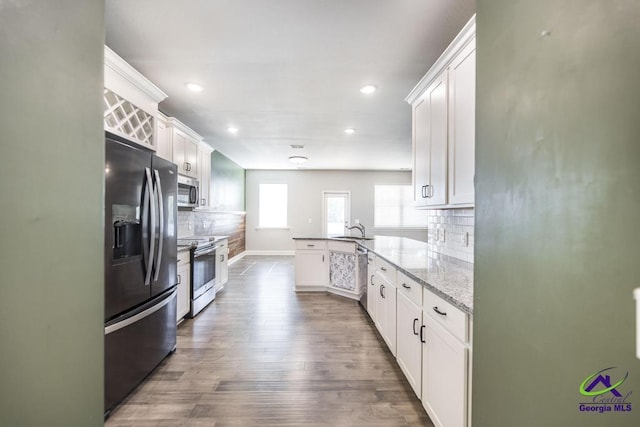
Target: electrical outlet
point(464, 239)
point(309, 220)
point(442, 235)
point(189, 225)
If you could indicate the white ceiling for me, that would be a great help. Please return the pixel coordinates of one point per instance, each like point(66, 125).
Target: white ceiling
point(289, 71)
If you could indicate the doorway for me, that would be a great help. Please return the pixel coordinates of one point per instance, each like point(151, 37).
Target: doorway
point(336, 207)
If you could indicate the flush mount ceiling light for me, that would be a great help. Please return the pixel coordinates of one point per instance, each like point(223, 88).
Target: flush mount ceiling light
point(298, 160)
point(367, 89)
point(349, 131)
point(232, 129)
point(194, 87)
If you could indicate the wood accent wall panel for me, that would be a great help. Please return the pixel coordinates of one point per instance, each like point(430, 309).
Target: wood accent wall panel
point(233, 225)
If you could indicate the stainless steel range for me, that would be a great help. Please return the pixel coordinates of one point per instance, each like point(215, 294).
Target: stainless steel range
point(203, 271)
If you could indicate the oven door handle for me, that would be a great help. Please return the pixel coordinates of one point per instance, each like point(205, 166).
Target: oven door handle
point(196, 254)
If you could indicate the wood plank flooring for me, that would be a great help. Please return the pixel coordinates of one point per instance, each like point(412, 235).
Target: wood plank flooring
point(262, 355)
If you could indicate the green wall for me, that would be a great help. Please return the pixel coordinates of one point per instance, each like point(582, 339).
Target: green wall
point(227, 184)
point(557, 208)
point(51, 187)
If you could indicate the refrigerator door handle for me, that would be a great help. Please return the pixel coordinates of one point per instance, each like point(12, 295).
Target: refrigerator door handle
point(158, 193)
point(152, 239)
point(139, 316)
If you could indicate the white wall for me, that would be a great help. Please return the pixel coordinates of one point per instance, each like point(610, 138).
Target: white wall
point(305, 202)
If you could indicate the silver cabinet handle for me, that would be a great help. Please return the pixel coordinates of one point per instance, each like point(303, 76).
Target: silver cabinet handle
point(404, 285)
point(179, 279)
point(311, 246)
point(383, 269)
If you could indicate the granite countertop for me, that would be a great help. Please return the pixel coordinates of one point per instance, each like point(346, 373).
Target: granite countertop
point(447, 277)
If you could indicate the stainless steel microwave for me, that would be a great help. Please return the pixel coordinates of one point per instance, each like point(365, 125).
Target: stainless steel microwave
point(188, 192)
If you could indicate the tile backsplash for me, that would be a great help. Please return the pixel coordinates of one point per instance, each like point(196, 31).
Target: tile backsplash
point(186, 220)
point(451, 232)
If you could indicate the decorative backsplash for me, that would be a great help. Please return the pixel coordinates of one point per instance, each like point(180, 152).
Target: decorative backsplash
point(446, 230)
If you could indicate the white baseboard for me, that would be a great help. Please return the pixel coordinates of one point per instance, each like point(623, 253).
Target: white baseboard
point(270, 253)
point(236, 258)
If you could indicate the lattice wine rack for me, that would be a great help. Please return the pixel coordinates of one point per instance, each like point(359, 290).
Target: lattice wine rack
point(127, 119)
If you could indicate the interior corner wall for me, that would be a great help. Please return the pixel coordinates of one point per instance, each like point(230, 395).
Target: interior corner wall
point(556, 215)
point(227, 184)
point(51, 228)
point(305, 203)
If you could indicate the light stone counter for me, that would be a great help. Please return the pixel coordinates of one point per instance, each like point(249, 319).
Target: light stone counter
point(447, 277)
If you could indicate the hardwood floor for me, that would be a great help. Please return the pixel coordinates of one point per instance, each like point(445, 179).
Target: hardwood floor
point(262, 355)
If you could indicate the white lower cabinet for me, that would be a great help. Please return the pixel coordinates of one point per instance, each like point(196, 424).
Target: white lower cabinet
point(409, 353)
point(222, 268)
point(312, 265)
point(386, 311)
point(444, 376)
point(184, 280)
point(371, 286)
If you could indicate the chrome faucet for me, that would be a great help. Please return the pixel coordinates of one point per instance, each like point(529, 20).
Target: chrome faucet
point(359, 227)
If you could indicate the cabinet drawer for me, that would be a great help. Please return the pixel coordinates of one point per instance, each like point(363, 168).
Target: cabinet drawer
point(455, 320)
point(311, 244)
point(184, 257)
point(410, 288)
point(386, 270)
point(348, 247)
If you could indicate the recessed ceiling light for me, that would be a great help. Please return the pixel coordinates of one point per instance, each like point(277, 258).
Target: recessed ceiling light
point(194, 87)
point(298, 159)
point(349, 131)
point(232, 129)
point(367, 89)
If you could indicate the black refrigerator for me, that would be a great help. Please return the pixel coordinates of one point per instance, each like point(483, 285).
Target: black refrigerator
point(140, 269)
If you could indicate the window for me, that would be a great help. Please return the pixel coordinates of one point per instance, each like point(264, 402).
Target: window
point(272, 206)
point(394, 209)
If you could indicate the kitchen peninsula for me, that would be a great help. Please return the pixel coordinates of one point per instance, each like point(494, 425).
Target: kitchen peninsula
point(421, 303)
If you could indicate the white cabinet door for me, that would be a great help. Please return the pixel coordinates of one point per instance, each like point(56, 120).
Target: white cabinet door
point(178, 142)
point(191, 157)
point(371, 287)
point(444, 376)
point(462, 117)
point(222, 268)
point(389, 334)
point(437, 158)
point(185, 153)
point(420, 151)
point(312, 270)
point(409, 353)
point(204, 170)
point(162, 140)
point(430, 145)
point(184, 280)
point(386, 310)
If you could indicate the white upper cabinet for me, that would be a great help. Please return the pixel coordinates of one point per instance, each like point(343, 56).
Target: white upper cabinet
point(462, 118)
point(204, 173)
point(443, 104)
point(184, 142)
point(130, 101)
point(163, 145)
